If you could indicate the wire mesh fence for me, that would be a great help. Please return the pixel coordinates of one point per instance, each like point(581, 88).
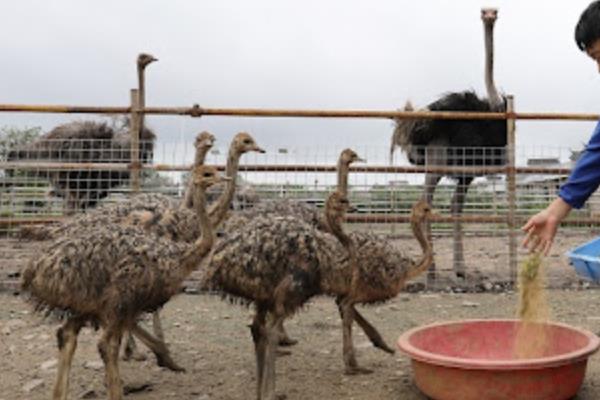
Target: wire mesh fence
point(47, 179)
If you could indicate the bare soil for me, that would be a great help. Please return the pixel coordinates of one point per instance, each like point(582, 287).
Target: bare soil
point(210, 338)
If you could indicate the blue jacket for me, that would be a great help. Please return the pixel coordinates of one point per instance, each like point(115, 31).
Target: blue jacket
point(585, 177)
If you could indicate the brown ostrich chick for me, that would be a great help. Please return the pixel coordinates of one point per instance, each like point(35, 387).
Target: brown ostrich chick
point(273, 262)
point(109, 276)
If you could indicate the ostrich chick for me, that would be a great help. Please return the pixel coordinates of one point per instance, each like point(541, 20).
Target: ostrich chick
point(275, 263)
point(374, 271)
point(309, 214)
point(109, 276)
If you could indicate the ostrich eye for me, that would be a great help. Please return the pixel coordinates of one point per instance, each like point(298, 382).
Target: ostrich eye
point(207, 174)
point(247, 141)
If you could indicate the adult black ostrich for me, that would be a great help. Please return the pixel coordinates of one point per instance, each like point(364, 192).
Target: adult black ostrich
point(84, 142)
point(88, 142)
point(435, 142)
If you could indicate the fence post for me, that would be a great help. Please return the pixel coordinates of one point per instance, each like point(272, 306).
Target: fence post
point(511, 187)
point(134, 130)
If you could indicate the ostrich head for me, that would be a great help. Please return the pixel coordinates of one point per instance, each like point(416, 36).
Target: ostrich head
point(144, 59)
point(243, 143)
point(421, 211)
point(348, 156)
point(207, 175)
point(204, 141)
point(489, 16)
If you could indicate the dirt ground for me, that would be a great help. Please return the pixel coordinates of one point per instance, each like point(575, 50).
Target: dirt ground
point(210, 337)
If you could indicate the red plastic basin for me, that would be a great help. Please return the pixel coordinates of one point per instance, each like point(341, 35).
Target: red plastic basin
point(475, 359)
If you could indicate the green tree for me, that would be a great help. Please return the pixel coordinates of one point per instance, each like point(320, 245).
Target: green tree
point(12, 137)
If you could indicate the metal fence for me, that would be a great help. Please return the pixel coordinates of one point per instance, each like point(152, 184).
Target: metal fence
point(45, 187)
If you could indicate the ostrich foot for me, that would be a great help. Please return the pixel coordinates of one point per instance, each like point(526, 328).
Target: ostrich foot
point(283, 338)
point(158, 347)
point(383, 346)
point(134, 355)
point(286, 341)
point(356, 370)
point(165, 361)
point(131, 351)
point(136, 388)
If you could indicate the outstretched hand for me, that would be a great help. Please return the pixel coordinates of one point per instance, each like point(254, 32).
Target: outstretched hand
point(541, 228)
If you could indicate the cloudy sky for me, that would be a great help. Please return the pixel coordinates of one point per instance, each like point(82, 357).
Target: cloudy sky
point(305, 54)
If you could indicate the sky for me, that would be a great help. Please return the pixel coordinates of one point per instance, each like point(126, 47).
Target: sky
point(311, 54)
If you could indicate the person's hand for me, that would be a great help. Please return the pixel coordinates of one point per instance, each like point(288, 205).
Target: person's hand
point(541, 228)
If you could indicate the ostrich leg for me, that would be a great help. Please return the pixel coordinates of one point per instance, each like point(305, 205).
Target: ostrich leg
point(431, 182)
point(158, 347)
point(372, 333)
point(346, 308)
point(157, 326)
point(268, 374)
point(108, 347)
point(259, 337)
point(67, 343)
point(456, 208)
point(284, 338)
point(130, 351)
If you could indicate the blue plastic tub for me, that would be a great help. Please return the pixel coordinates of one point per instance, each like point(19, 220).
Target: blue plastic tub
point(586, 259)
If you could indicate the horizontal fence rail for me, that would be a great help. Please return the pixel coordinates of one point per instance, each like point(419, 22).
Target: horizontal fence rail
point(289, 168)
point(197, 111)
point(357, 218)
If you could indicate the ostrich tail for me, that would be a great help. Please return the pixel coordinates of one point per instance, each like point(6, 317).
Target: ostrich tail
point(403, 135)
point(392, 148)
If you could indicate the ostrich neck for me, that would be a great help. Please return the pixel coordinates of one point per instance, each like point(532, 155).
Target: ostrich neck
point(493, 96)
point(418, 228)
point(218, 211)
point(188, 195)
point(201, 247)
point(141, 95)
point(335, 226)
point(343, 170)
point(325, 222)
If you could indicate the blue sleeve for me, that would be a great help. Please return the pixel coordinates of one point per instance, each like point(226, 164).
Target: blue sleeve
point(585, 177)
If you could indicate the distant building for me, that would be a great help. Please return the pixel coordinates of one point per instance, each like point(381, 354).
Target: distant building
point(398, 183)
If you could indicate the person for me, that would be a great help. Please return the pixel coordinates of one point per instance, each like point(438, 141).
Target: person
point(584, 179)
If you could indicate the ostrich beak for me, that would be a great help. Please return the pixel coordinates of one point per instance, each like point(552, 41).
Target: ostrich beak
point(259, 150)
point(359, 159)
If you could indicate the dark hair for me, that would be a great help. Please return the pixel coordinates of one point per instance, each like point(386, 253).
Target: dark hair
point(587, 30)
